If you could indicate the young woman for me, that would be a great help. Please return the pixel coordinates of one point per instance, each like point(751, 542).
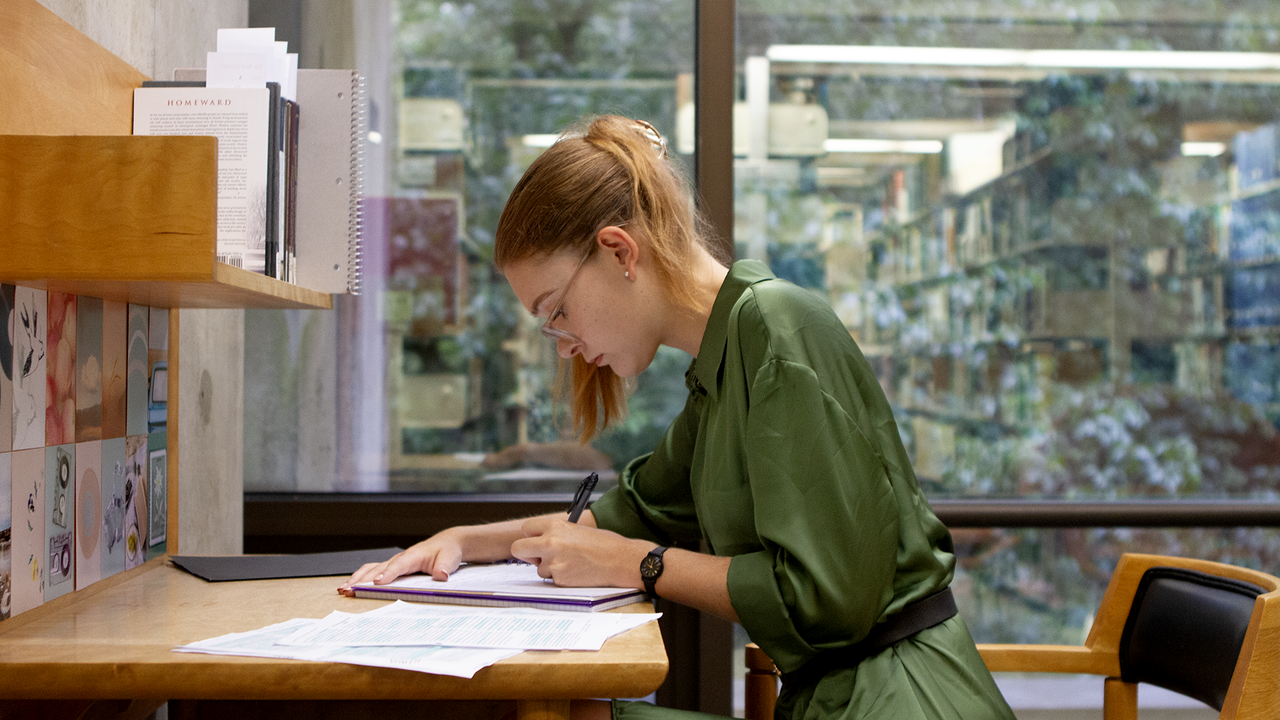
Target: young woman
point(786, 460)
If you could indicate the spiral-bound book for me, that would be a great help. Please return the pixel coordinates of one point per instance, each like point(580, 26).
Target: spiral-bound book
point(331, 130)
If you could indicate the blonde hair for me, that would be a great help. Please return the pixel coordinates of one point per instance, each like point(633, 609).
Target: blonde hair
point(606, 171)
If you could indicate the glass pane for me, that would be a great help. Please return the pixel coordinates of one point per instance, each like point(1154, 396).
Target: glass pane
point(1053, 229)
point(435, 378)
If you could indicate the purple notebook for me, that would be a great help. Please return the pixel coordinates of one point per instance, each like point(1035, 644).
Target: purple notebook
point(510, 584)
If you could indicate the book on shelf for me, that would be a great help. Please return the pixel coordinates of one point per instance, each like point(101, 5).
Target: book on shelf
point(1206, 305)
point(506, 584)
point(1255, 228)
point(241, 119)
point(974, 236)
point(1253, 300)
point(1256, 159)
point(1252, 372)
point(329, 126)
point(1198, 368)
point(330, 205)
point(935, 447)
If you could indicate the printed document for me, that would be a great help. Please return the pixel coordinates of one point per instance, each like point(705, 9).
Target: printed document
point(458, 662)
point(401, 624)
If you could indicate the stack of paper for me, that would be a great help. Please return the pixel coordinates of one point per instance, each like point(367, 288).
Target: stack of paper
point(456, 641)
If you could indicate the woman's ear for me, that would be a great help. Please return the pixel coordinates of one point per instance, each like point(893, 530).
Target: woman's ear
point(621, 249)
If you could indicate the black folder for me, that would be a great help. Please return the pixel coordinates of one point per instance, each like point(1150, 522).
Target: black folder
point(219, 568)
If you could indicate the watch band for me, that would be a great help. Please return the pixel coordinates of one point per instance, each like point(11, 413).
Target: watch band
point(651, 569)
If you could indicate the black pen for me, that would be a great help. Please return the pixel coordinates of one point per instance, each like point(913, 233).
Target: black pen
point(583, 496)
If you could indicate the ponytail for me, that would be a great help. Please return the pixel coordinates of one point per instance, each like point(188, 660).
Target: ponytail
point(609, 170)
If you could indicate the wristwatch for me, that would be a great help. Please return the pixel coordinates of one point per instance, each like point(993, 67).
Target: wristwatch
point(651, 569)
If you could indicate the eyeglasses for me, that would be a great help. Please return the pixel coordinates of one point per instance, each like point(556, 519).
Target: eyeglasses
point(554, 333)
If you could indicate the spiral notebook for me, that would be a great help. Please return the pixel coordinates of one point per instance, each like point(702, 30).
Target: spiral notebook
point(501, 585)
point(331, 132)
point(328, 197)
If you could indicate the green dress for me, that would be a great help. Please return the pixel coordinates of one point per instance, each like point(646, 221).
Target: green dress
point(787, 459)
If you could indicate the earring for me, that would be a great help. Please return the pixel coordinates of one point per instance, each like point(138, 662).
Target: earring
point(626, 274)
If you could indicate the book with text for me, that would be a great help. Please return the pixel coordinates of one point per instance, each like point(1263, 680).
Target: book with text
point(241, 120)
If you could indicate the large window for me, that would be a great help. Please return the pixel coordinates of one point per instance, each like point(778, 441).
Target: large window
point(1052, 229)
point(443, 383)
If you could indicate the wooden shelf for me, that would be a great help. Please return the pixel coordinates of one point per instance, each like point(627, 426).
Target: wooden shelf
point(125, 218)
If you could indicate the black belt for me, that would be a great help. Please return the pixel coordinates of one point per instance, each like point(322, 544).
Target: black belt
point(917, 616)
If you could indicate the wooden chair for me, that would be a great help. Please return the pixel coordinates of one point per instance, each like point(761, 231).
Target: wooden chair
point(1203, 629)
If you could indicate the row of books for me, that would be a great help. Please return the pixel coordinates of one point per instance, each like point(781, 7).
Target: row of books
point(985, 385)
point(997, 306)
point(83, 445)
point(967, 235)
point(289, 170)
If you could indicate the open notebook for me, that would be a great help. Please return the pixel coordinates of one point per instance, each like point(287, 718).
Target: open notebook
point(502, 585)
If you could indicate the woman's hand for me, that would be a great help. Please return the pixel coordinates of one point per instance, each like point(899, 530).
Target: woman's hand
point(437, 556)
point(577, 555)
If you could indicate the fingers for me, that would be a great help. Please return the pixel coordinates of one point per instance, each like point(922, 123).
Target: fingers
point(402, 563)
point(437, 556)
point(443, 565)
point(529, 550)
point(405, 563)
point(367, 572)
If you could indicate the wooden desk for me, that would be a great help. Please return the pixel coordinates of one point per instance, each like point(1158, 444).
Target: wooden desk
point(113, 641)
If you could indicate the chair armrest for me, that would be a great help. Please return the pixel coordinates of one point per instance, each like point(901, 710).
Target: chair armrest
point(1048, 658)
point(758, 661)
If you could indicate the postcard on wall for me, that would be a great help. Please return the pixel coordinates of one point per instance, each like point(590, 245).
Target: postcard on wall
point(6, 368)
point(113, 504)
point(135, 501)
point(27, 490)
point(88, 369)
point(30, 357)
point(136, 423)
point(158, 495)
point(6, 537)
point(60, 404)
point(88, 513)
point(158, 369)
point(60, 519)
point(115, 340)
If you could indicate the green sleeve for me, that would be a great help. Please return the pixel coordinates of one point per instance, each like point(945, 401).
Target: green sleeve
point(826, 515)
point(653, 499)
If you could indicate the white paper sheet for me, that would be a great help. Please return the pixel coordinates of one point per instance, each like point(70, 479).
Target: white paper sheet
point(456, 662)
point(238, 69)
point(411, 624)
point(277, 64)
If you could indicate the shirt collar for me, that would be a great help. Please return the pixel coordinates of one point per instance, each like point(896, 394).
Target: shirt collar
point(742, 275)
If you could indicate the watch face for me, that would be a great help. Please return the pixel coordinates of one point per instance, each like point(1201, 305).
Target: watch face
point(651, 566)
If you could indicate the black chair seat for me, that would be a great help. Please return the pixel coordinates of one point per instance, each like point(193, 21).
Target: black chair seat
point(1185, 630)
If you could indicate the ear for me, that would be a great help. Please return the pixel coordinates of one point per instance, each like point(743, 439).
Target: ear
point(620, 248)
